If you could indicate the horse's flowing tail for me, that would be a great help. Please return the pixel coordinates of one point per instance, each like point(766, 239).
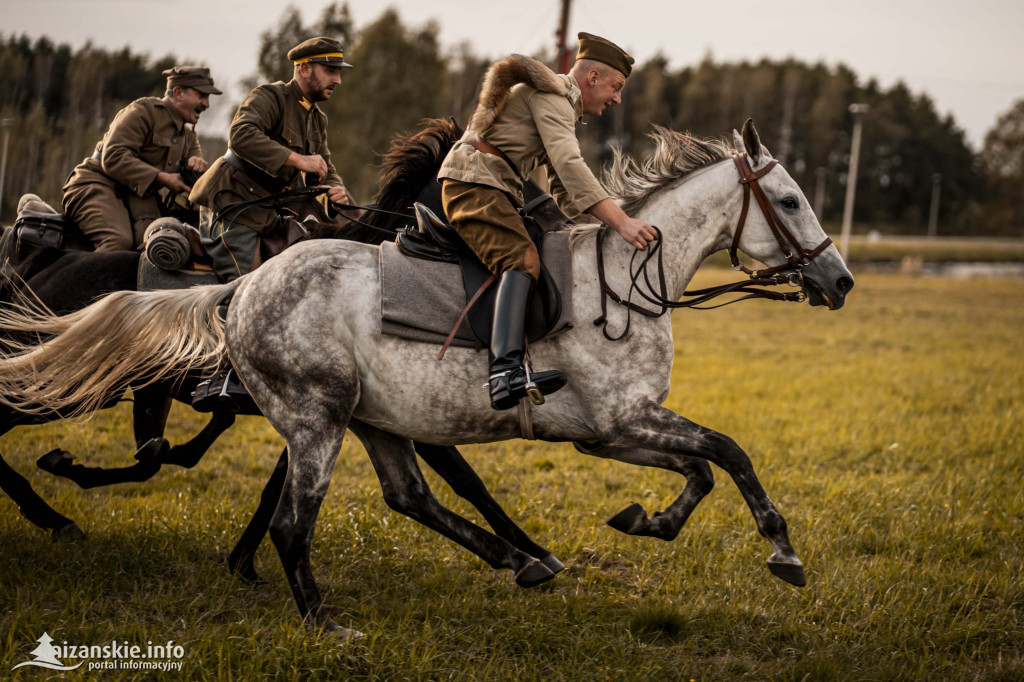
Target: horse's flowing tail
point(92, 355)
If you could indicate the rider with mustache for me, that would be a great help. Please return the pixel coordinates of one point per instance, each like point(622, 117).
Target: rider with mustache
point(113, 195)
point(277, 142)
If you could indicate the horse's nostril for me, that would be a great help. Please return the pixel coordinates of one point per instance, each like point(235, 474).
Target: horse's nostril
point(844, 284)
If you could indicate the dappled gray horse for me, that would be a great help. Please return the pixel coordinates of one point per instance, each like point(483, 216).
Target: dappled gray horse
point(304, 333)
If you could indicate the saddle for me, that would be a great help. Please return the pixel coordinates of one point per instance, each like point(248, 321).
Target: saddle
point(433, 239)
point(38, 230)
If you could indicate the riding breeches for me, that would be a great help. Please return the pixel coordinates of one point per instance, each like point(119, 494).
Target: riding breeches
point(490, 225)
point(233, 247)
point(106, 219)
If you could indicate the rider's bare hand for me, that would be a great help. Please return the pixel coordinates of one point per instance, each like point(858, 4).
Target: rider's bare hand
point(340, 195)
point(314, 163)
point(173, 182)
point(197, 163)
point(636, 232)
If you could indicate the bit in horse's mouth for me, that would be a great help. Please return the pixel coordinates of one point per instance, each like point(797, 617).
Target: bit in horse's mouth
point(816, 295)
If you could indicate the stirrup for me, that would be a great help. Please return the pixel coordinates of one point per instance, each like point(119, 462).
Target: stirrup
point(223, 391)
point(532, 390)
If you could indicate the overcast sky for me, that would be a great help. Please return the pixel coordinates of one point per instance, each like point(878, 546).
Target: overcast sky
point(967, 56)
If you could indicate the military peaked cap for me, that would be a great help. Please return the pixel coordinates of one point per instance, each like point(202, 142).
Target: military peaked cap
point(326, 51)
point(195, 77)
point(604, 51)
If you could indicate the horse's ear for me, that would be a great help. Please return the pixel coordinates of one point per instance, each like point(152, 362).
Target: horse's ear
point(751, 141)
point(737, 141)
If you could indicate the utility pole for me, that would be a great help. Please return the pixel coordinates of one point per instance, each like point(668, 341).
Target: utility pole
point(858, 110)
point(563, 58)
point(6, 125)
point(819, 193)
point(933, 215)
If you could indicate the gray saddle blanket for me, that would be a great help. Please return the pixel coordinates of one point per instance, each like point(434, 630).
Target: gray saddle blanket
point(421, 300)
point(151, 277)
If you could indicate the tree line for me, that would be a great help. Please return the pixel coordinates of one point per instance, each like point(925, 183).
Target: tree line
point(55, 103)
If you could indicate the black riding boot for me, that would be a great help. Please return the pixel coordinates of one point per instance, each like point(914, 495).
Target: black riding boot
point(509, 380)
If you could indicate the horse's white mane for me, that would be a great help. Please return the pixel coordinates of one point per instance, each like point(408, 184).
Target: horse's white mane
point(675, 155)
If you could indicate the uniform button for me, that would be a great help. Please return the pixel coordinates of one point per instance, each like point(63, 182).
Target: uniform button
point(174, 139)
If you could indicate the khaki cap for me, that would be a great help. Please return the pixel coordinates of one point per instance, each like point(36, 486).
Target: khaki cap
point(196, 77)
point(604, 51)
point(322, 50)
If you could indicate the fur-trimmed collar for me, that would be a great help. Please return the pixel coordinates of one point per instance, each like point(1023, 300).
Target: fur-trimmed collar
point(500, 79)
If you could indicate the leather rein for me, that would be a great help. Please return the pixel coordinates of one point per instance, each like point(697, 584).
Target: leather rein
point(796, 256)
point(297, 194)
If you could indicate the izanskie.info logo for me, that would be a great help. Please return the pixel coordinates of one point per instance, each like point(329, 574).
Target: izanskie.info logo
point(113, 656)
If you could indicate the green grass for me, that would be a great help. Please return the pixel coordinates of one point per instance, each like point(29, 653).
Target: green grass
point(889, 434)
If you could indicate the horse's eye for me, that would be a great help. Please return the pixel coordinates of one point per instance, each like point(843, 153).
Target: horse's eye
point(790, 203)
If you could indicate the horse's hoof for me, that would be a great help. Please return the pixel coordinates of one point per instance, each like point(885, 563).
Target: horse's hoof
point(244, 570)
point(533, 574)
point(56, 462)
point(553, 564)
point(790, 572)
point(248, 575)
point(339, 634)
point(346, 635)
point(629, 519)
point(69, 532)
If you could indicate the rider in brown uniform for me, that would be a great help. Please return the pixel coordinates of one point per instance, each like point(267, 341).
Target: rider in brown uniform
point(277, 134)
point(525, 118)
point(112, 195)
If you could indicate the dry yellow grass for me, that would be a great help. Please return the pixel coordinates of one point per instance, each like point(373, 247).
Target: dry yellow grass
point(889, 433)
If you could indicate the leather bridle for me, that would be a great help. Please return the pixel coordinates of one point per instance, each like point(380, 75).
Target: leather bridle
point(797, 257)
point(785, 238)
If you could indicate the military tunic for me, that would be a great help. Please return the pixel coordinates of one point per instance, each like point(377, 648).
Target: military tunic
point(112, 196)
point(275, 120)
point(535, 128)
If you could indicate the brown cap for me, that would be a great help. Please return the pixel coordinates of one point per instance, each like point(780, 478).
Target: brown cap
point(196, 77)
point(326, 51)
point(604, 51)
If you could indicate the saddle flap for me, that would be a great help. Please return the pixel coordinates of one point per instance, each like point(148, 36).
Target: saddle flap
point(285, 233)
point(543, 311)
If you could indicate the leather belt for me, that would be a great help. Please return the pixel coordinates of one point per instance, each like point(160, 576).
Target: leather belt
point(271, 183)
point(488, 148)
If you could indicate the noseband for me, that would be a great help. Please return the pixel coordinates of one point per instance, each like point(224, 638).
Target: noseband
point(797, 258)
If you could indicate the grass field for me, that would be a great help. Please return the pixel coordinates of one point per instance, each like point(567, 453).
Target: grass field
point(889, 434)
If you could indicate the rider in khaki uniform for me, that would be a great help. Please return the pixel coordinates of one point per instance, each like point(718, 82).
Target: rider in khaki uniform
point(277, 134)
point(112, 195)
point(526, 117)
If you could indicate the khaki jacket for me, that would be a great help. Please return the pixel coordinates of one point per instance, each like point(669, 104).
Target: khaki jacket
point(273, 121)
point(145, 138)
point(535, 128)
